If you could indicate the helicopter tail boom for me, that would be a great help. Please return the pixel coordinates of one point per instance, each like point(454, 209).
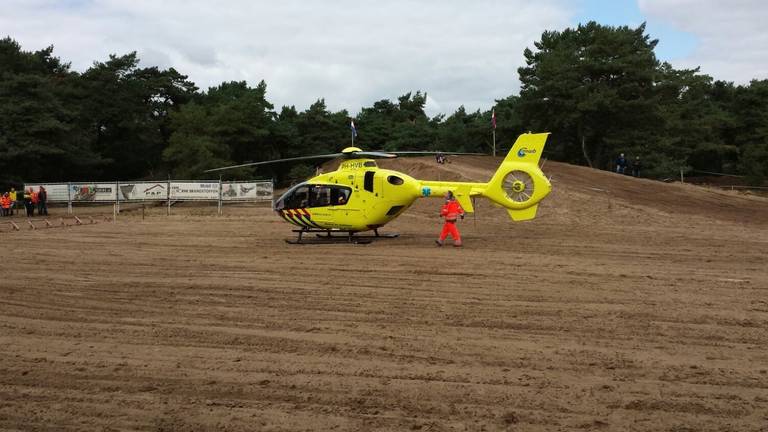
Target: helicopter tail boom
point(463, 191)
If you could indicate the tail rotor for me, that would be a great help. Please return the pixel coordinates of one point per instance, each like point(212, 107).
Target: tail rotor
point(519, 186)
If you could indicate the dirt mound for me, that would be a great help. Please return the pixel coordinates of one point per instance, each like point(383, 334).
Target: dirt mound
point(672, 198)
point(581, 192)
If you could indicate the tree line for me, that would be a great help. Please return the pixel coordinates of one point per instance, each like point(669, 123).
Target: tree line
point(599, 89)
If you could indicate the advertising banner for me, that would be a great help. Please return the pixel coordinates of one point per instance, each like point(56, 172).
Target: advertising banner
point(56, 192)
point(92, 192)
point(246, 191)
point(195, 191)
point(143, 191)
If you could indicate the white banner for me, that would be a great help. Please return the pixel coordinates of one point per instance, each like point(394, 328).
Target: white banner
point(143, 191)
point(56, 192)
point(195, 191)
point(246, 191)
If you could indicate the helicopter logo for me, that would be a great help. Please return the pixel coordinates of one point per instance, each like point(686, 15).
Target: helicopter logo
point(359, 196)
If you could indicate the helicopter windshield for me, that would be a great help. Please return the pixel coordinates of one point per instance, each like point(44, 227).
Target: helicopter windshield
point(304, 196)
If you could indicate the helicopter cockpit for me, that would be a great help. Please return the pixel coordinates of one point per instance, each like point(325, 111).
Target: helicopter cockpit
point(307, 196)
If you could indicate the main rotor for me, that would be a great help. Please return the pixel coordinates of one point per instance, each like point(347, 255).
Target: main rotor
point(347, 153)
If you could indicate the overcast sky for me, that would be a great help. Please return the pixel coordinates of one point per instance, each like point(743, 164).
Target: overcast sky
point(352, 53)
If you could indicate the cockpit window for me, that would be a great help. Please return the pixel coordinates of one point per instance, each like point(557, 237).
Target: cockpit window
point(307, 196)
point(298, 198)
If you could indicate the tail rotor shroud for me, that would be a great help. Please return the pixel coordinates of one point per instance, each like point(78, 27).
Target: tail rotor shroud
point(519, 186)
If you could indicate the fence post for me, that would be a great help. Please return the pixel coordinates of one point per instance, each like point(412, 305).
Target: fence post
point(168, 194)
point(219, 194)
point(117, 196)
point(69, 198)
point(682, 180)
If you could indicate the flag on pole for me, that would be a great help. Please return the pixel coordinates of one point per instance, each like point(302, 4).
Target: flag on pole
point(352, 128)
point(493, 119)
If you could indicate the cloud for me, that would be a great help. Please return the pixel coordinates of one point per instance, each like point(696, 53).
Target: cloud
point(732, 43)
point(351, 53)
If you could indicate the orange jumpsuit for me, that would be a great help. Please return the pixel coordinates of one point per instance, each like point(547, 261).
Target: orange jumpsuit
point(5, 203)
point(451, 211)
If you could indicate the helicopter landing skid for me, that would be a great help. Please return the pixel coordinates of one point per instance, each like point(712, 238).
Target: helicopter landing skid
point(328, 237)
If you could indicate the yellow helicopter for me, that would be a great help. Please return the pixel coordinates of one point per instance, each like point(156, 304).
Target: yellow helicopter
point(359, 196)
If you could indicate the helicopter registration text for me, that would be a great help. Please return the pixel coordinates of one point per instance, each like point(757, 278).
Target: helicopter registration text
point(352, 165)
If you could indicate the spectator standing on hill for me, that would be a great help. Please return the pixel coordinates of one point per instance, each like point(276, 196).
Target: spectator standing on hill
point(28, 205)
point(42, 202)
point(621, 164)
point(636, 165)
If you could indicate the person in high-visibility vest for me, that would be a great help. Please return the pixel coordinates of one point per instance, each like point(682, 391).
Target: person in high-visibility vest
point(451, 211)
point(14, 197)
point(28, 203)
point(5, 203)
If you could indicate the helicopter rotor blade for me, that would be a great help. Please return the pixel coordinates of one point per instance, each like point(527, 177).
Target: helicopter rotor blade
point(435, 152)
point(325, 156)
point(373, 154)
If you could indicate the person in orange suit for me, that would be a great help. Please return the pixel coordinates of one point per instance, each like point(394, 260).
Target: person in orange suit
point(5, 203)
point(35, 199)
point(451, 211)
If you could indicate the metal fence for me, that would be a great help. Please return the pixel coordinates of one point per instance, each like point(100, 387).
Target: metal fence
point(167, 190)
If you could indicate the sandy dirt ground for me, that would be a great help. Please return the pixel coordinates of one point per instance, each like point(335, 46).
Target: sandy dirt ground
point(626, 305)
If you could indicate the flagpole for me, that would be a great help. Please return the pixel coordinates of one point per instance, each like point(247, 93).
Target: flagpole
point(493, 130)
point(494, 142)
